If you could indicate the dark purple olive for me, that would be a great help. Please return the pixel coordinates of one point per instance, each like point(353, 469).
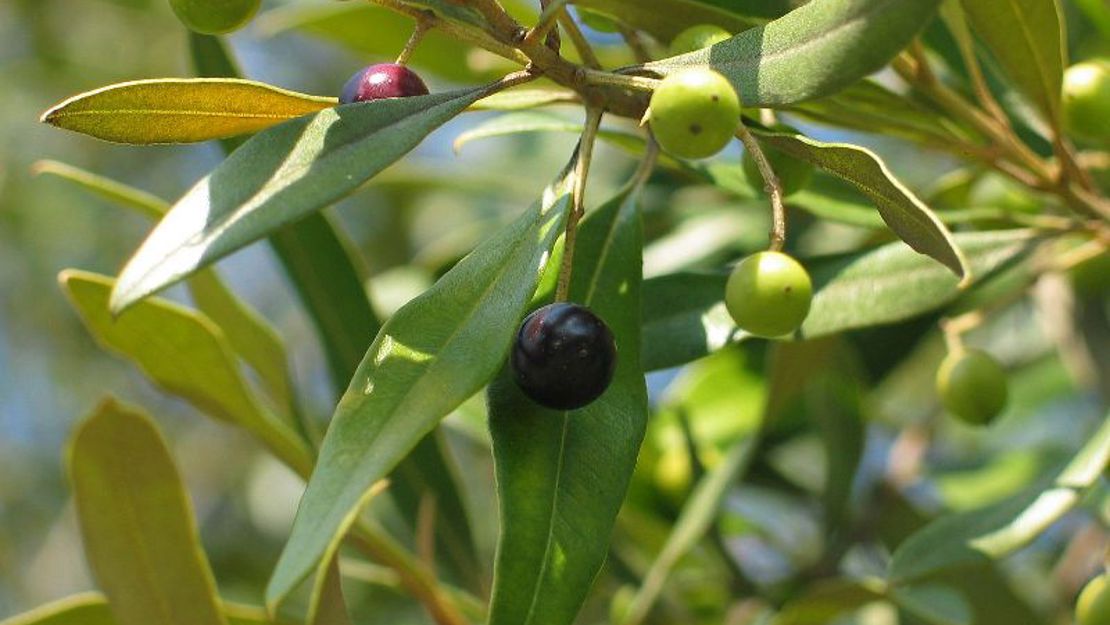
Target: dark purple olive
point(564, 356)
point(384, 80)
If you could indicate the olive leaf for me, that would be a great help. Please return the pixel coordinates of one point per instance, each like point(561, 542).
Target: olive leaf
point(432, 354)
point(138, 527)
point(181, 110)
point(813, 51)
point(1027, 39)
point(562, 475)
point(666, 18)
point(991, 533)
point(279, 175)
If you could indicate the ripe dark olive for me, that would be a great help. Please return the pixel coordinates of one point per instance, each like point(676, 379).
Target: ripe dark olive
point(384, 80)
point(564, 356)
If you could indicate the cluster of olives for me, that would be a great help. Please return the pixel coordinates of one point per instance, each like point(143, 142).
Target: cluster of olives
point(564, 355)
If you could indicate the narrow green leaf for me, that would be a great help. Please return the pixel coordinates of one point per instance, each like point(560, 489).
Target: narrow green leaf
point(92, 609)
point(813, 51)
point(278, 176)
point(327, 604)
point(84, 609)
point(187, 355)
point(893, 283)
point(1027, 39)
point(433, 354)
point(146, 204)
point(251, 336)
point(180, 110)
point(377, 32)
point(684, 319)
point(536, 121)
point(342, 312)
point(693, 522)
point(520, 99)
point(991, 533)
point(562, 475)
point(666, 18)
point(936, 604)
point(828, 599)
point(137, 523)
point(870, 107)
point(906, 215)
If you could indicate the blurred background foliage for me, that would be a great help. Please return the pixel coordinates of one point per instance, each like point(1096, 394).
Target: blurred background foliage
point(412, 223)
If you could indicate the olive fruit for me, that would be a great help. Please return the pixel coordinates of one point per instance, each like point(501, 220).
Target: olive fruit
point(793, 174)
point(698, 37)
point(1087, 99)
point(564, 356)
point(972, 386)
point(768, 294)
point(214, 17)
point(694, 113)
point(1093, 606)
point(383, 80)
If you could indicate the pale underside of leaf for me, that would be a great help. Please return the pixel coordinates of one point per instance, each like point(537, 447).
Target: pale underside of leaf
point(181, 110)
point(284, 173)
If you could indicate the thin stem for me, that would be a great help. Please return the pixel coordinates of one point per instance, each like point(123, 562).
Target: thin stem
point(466, 34)
point(381, 547)
point(585, 50)
point(423, 24)
point(771, 184)
point(625, 81)
point(581, 171)
point(635, 43)
point(546, 21)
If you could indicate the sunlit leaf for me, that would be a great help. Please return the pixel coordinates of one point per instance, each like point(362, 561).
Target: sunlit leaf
point(136, 521)
point(287, 172)
point(1027, 39)
point(187, 355)
point(561, 475)
point(432, 355)
point(991, 533)
point(811, 52)
point(181, 110)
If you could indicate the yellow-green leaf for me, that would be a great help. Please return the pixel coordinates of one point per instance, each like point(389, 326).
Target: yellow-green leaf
point(91, 608)
point(181, 110)
point(185, 353)
point(137, 523)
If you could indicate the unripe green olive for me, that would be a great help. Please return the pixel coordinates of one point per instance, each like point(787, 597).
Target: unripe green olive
point(972, 386)
point(214, 17)
point(698, 37)
point(793, 174)
point(1093, 606)
point(768, 294)
point(694, 113)
point(1087, 99)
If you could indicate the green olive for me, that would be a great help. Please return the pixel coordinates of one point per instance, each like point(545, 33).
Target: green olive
point(694, 113)
point(793, 174)
point(972, 386)
point(768, 294)
point(214, 17)
point(698, 37)
point(1093, 606)
point(1087, 99)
